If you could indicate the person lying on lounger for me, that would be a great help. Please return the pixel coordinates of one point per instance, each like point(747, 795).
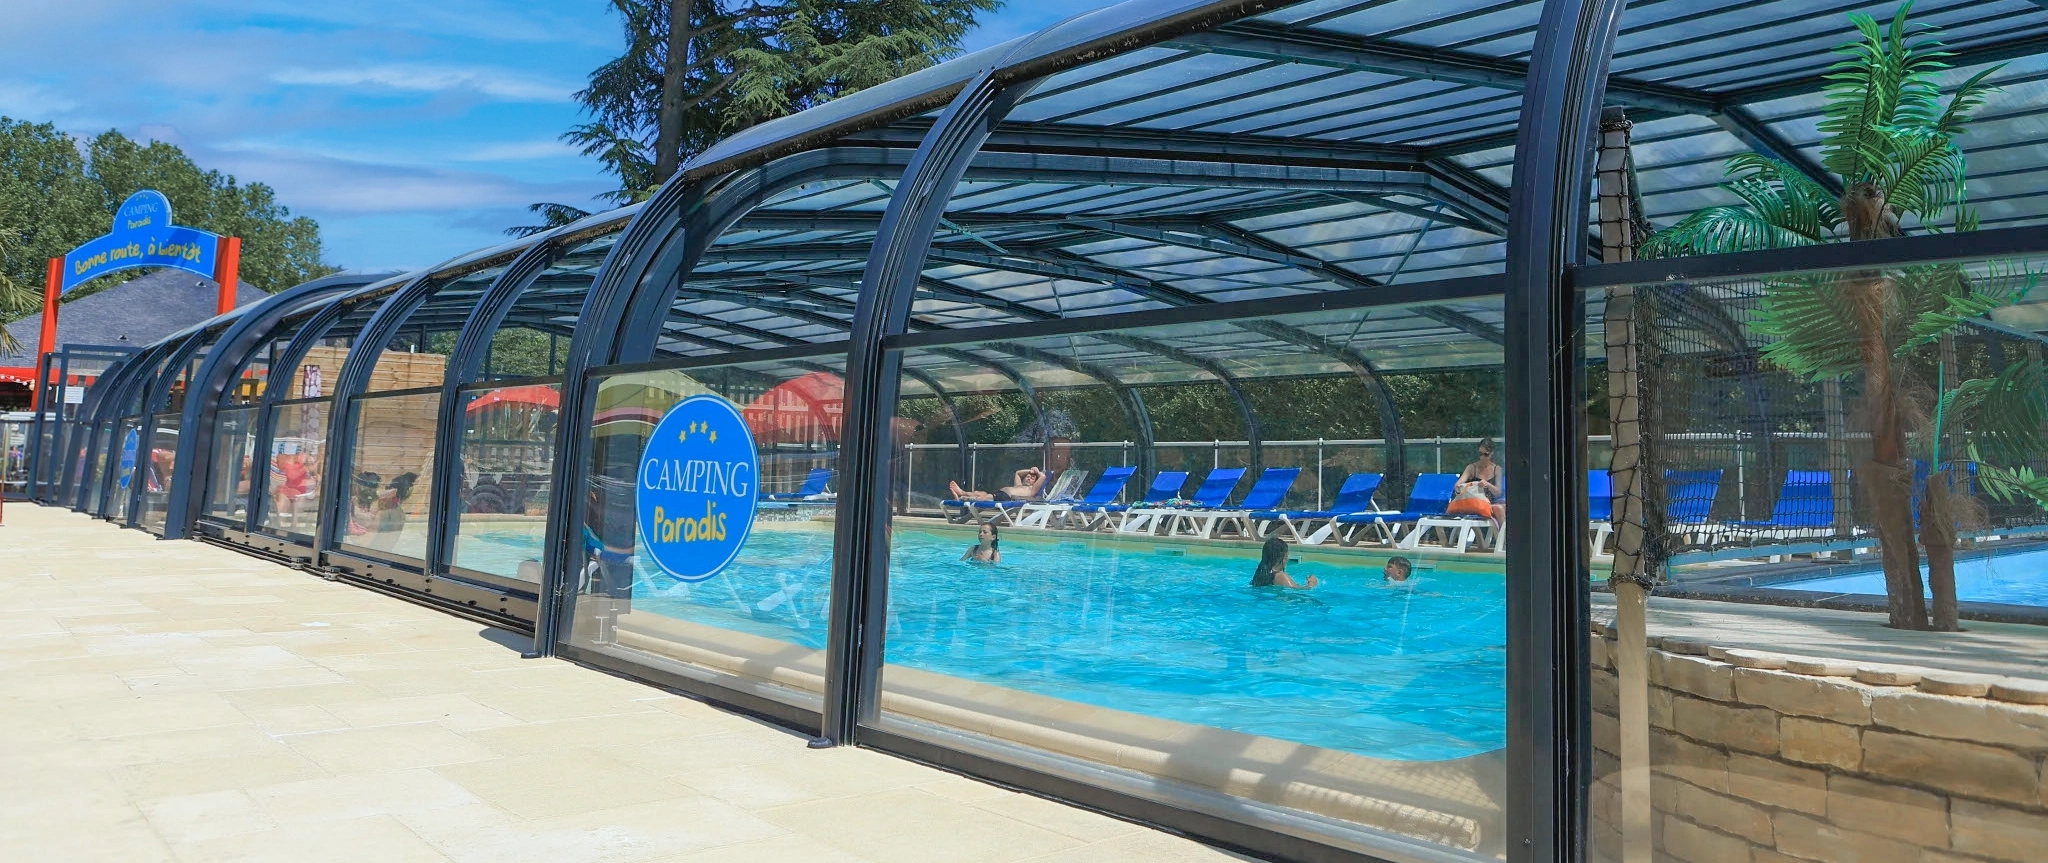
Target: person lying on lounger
point(1272, 571)
point(1028, 481)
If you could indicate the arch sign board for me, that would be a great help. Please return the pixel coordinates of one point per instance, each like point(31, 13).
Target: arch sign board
point(143, 236)
point(697, 488)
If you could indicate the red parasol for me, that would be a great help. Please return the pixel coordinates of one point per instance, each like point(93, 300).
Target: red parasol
point(798, 410)
point(541, 395)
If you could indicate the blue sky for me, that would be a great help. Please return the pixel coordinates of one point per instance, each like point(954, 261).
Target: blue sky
point(411, 130)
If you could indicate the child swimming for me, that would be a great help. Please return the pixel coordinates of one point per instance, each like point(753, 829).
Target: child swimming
point(1397, 569)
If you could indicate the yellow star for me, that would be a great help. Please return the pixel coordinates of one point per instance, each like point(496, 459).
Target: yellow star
point(714, 435)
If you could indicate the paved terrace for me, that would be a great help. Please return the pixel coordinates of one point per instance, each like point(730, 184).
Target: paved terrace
point(176, 701)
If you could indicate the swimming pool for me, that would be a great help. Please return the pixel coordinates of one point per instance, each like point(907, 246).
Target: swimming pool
point(1412, 672)
point(2019, 579)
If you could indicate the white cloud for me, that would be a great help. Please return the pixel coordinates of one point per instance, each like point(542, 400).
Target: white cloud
point(431, 79)
point(515, 151)
point(325, 185)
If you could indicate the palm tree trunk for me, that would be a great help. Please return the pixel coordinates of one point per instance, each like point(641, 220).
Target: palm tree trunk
point(1937, 533)
point(1888, 475)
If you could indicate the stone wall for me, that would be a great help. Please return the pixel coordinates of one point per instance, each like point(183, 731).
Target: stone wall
point(1769, 758)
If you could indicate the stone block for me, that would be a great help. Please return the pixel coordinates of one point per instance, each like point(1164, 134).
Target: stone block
point(1952, 766)
point(1813, 839)
point(1765, 855)
point(1887, 675)
point(1683, 759)
point(1888, 810)
point(1601, 655)
point(1974, 719)
point(1684, 646)
point(1753, 659)
point(1684, 840)
point(1800, 695)
point(1815, 741)
point(1960, 683)
point(1725, 814)
point(1820, 667)
point(1695, 675)
point(1606, 732)
point(1998, 833)
point(1660, 708)
point(1749, 729)
point(1775, 783)
point(1606, 694)
point(2020, 691)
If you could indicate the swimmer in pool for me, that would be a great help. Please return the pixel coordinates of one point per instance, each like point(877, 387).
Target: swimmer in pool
point(987, 548)
point(1272, 571)
point(1397, 569)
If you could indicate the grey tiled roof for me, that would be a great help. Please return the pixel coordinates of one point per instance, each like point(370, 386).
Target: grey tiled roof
point(133, 314)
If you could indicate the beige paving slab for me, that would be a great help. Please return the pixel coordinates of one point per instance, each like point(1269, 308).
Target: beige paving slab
point(171, 701)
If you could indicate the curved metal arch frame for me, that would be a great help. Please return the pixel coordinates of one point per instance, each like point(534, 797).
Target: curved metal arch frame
point(665, 237)
point(1127, 397)
point(159, 394)
point(1549, 733)
point(349, 386)
point(952, 416)
point(472, 346)
point(230, 354)
point(309, 333)
point(91, 414)
point(133, 391)
point(860, 546)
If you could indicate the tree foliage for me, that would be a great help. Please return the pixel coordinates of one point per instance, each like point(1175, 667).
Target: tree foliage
point(733, 64)
point(56, 194)
point(1890, 137)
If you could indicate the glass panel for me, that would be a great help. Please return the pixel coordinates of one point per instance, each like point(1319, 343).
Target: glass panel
point(1134, 591)
point(160, 471)
point(508, 451)
point(95, 467)
point(298, 447)
point(1848, 572)
point(391, 488)
point(759, 623)
point(227, 491)
point(124, 459)
point(14, 456)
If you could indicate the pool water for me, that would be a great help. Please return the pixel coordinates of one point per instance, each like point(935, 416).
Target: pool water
point(1413, 671)
point(2017, 579)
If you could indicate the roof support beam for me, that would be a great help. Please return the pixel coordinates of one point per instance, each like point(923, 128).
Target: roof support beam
point(1753, 133)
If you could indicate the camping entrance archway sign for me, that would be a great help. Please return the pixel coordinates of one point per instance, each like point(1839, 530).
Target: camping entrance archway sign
point(143, 235)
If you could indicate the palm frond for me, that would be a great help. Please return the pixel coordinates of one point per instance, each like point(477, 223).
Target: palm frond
point(1808, 322)
point(1968, 98)
point(1717, 230)
point(2004, 413)
point(2007, 485)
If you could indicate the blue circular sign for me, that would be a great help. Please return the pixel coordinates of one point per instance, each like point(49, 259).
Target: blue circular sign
point(698, 484)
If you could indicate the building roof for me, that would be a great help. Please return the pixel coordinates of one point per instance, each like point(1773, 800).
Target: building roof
point(133, 313)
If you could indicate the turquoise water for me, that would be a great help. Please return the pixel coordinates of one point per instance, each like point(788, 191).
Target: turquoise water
point(2017, 579)
point(1408, 672)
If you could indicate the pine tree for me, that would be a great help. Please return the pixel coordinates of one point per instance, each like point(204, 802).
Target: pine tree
point(678, 89)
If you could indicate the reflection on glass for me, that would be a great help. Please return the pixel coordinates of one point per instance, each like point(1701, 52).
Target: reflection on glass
point(298, 446)
point(1213, 621)
point(159, 470)
point(508, 448)
point(14, 456)
point(227, 491)
point(127, 441)
point(762, 619)
point(391, 486)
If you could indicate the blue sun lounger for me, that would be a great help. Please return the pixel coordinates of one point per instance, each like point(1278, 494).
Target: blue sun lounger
point(814, 485)
point(1805, 509)
point(1689, 500)
point(1355, 495)
point(1430, 497)
point(1267, 492)
point(1042, 513)
point(1166, 486)
point(1215, 489)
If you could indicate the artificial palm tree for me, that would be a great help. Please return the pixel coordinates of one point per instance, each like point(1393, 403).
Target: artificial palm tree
point(1890, 138)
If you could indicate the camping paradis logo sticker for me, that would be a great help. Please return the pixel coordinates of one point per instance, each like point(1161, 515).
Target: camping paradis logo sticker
point(698, 479)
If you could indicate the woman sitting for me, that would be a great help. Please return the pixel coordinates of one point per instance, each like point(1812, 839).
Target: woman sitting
point(1478, 488)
